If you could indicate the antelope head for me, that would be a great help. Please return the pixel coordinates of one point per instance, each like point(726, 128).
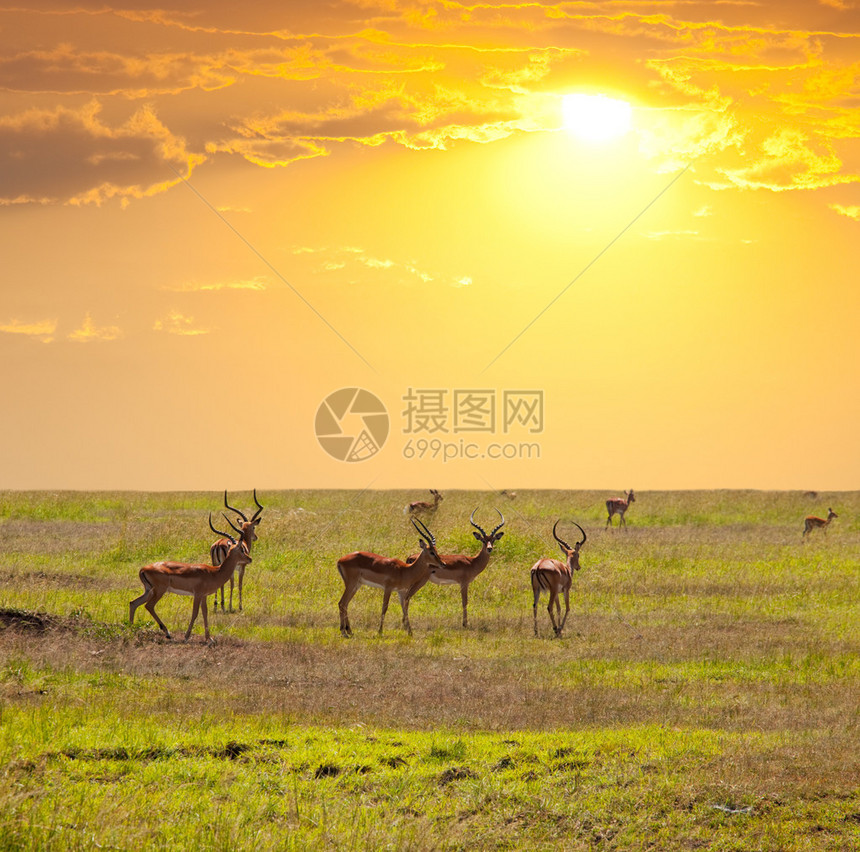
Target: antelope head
point(570, 553)
point(428, 543)
point(487, 539)
point(248, 530)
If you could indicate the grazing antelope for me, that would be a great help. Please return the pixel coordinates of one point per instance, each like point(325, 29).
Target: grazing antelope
point(462, 570)
point(511, 495)
point(813, 523)
point(183, 578)
point(218, 552)
point(617, 506)
point(555, 577)
point(420, 506)
point(369, 569)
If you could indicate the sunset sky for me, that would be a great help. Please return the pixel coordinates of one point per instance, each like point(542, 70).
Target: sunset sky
point(214, 215)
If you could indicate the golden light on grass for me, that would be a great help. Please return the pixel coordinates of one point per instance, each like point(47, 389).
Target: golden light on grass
point(596, 118)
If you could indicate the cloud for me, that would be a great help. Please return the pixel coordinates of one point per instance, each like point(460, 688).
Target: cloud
point(116, 118)
point(663, 235)
point(43, 330)
point(851, 211)
point(72, 156)
point(89, 333)
point(788, 160)
point(177, 323)
point(351, 258)
point(254, 284)
point(68, 70)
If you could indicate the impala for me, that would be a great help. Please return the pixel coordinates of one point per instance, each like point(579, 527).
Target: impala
point(420, 506)
point(463, 569)
point(183, 578)
point(617, 506)
point(511, 495)
point(555, 577)
point(813, 523)
point(369, 569)
point(218, 552)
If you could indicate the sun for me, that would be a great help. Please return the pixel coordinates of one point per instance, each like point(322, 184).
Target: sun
point(596, 118)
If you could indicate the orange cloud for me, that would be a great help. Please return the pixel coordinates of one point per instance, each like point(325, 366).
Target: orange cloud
point(71, 156)
point(88, 332)
point(851, 211)
point(43, 329)
point(419, 74)
point(788, 160)
point(177, 323)
point(258, 283)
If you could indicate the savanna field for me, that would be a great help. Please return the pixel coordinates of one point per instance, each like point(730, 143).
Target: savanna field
point(705, 693)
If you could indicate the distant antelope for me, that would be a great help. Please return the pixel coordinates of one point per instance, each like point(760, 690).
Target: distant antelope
point(247, 535)
point(617, 506)
point(813, 523)
point(555, 577)
point(511, 495)
point(420, 506)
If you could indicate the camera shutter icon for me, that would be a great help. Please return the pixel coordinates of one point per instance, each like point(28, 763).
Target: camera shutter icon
point(351, 424)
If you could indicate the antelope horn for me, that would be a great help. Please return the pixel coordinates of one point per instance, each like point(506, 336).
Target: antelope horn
point(583, 533)
point(561, 541)
point(231, 523)
point(472, 522)
point(500, 525)
point(226, 535)
point(260, 509)
point(430, 537)
point(228, 506)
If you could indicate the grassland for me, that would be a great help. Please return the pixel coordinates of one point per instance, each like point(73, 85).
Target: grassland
point(706, 694)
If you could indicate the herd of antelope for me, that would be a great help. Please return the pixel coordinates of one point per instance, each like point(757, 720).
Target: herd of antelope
point(230, 555)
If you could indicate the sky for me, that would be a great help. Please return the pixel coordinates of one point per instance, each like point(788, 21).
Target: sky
point(430, 244)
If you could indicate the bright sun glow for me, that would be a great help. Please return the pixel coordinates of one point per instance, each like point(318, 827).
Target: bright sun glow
point(595, 117)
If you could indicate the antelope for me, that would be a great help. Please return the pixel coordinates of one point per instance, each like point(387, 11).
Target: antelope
point(812, 523)
point(617, 506)
point(463, 569)
point(420, 506)
point(369, 569)
point(247, 535)
point(183, 578)
point(511, 495)
point(555, 577)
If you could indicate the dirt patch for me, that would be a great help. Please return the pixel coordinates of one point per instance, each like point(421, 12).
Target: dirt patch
point(456, 773)
point(23, 620)
point(327, 770)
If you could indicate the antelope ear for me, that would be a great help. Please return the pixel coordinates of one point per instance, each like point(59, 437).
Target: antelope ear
point(499, 535)
point(476, 536)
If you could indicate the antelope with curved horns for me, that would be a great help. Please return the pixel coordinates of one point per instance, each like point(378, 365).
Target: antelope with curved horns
point(461, 569)
point(420, 506)
point(811, 523)
point(369, 569)
point(218, 552)
point(183, 578)
point(618, 506)
point(555, 577)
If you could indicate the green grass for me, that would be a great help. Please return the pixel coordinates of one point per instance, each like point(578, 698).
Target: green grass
point(705, 694)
